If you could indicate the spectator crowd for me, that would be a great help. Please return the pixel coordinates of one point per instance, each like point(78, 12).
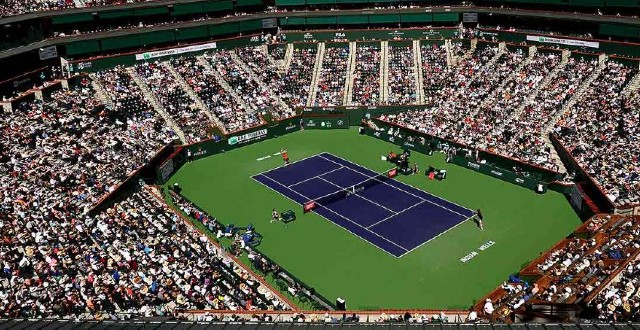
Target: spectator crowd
point(602, 132)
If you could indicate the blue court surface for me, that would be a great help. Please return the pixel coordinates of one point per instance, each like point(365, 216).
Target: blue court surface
point(391, 215)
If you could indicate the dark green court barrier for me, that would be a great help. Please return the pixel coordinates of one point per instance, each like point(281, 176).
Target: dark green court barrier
point(535, 172)
point(143, 40)
point(425, 144)
point(603, 46)
point(357, 113)
point(568, 3)
point(236, 140)
point(322, 122)
point(93, 65)
point(361, 35)
point(498, 172)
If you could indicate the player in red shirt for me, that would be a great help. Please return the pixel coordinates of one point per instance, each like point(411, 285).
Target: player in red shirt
point(285, 156)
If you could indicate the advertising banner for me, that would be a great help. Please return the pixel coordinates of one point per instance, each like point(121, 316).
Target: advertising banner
point(567, 42)
point(175, 51)
point(326, 122)
point(257, 135)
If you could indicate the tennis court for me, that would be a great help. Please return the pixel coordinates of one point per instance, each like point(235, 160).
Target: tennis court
point(389, 214)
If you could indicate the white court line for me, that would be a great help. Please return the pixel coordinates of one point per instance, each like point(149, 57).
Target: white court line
point(356, 194)
point(317, 176)
point(340, 215)
point(434, 237)
point(398, 188)
point(389, 217)
point(426, 192)
point(281, 166)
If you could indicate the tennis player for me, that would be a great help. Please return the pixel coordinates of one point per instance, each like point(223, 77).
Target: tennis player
point(479, 219)
point(285, 156)
point(274, 216)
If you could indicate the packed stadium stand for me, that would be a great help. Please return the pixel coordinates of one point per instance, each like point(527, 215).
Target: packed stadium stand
point(93, 128)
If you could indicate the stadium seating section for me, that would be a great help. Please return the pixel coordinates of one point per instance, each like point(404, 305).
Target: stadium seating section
point(141, 257)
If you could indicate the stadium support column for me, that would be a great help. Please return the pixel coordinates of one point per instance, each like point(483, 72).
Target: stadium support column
point(384, 70)
point(288, 55)
point(317, 70)
point(532, 51)
point(633, 86)
point(417, 72)
point(447, 47)
point(6, 106)
point(348, 84)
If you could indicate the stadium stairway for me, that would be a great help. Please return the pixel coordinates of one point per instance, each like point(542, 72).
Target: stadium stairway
point(288, 55)
point(198, 101)
point(258, 81)
point(447, 47)
point(384, 70)
point(417, 71)
point(317, 69)
point(512, 75)
point(548, 79)
point(225, 85)
point(632, 86)
point(351, 68)
point(455, 60)
point(100, 92)
point(278, 63)
point(156, 104)
point(576, 96)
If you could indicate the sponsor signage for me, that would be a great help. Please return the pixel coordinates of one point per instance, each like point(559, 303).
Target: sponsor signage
point(470, 17)
point(47, 53)
point(473, 165)
point(257, 135)
point(326, 123)
point(175, 51)
point(200, 152)
point(567, 42)
point(309, 206)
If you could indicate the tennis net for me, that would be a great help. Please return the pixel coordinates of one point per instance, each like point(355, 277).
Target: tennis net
point(346, 192)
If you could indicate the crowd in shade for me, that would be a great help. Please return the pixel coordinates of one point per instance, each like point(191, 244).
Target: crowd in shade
point(127, 98)
point(602, 132)
point(174, 100)
point(266, 70)
point(577, 271)
point(254, 95)
point(221, 103)
point(277, 53)
point(298, 77)
point(401, 80)
point(332, 79)
point(16, 7)
point(366, 76)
